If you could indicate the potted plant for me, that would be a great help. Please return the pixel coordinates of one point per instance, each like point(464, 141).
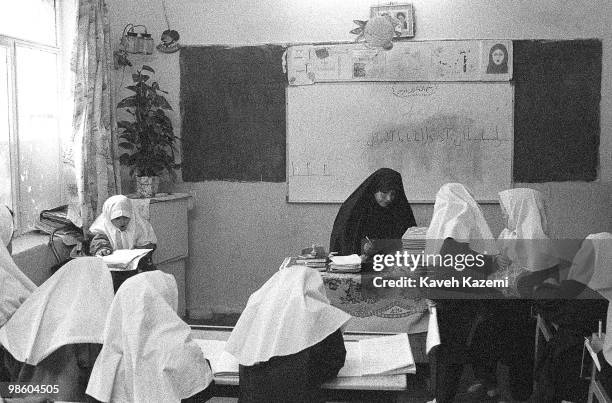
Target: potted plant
point(148, 135)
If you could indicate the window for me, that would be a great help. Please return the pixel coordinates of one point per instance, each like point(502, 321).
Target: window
point(30, 144)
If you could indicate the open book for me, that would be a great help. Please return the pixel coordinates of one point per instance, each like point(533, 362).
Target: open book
point(222, 363)
point(387, 355)
point(124, 259)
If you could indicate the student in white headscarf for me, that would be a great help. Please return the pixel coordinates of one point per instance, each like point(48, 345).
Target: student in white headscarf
point(120, 226)
point(458, 229)
point(525, 241)
point(288, 340)
point(575, 306)
point(148, 353)
point(603, 277)
point(55, 335)
point(15, 286)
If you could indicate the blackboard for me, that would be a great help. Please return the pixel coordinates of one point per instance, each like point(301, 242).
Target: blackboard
point(556, 114)
point(232, 104)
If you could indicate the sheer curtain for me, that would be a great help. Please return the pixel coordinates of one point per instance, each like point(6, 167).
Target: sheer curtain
point(93, 172)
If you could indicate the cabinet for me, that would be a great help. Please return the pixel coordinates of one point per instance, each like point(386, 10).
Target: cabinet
point(168, 216)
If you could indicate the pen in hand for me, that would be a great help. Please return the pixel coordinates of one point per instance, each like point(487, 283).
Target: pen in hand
point(368, 246)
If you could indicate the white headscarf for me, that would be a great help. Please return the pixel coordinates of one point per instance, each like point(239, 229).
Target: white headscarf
point(15, 286)
point(288, 314)
point(6, 225)
point(457, 215)
point(525, 240)
point(148, 354)
point(69, 308)
point(139, 231)
point(592, 266)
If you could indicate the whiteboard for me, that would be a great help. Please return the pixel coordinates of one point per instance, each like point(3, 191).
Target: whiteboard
point(431, 132)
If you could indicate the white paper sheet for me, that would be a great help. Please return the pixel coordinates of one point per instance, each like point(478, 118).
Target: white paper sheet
point(125, 259)
point(222, 363)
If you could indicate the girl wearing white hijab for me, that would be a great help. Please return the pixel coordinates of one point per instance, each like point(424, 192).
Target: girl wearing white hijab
point(120, 226)
point(15, 286)
point(288, 339)
point(52, 337)
point(575, 306)
point(525, 241)
point(601, 281)
point(148, 354)
point(457, 227)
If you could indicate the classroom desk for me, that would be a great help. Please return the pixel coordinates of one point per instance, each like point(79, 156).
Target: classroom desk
point(392, 388)
point(398, 310)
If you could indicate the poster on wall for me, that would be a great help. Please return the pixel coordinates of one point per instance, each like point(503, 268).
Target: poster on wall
point(456, 60)
point(496, 60)
point(461, 60)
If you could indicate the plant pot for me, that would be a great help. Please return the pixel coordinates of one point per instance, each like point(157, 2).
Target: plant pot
point(147, 186)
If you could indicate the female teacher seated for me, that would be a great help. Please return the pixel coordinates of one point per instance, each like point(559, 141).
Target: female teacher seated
point(377, 210)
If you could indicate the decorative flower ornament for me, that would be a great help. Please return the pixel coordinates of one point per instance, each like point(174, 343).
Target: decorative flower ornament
point(377, 32)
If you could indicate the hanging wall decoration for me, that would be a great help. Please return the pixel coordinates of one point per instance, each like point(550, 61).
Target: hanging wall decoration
point(402, 15)
point(377, 32)
point(169, 39)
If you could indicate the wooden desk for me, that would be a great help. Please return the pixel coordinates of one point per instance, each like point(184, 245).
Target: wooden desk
point(392, 388)
point(392, 310)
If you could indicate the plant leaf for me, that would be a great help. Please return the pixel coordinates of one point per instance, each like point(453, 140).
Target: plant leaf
point(127, 102)
point(163, 103)
point(147, 68)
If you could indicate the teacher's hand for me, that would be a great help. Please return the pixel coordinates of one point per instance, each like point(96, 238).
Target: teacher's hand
point(368, 248)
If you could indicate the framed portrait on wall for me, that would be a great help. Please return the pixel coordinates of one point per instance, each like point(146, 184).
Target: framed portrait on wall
point(402, 16)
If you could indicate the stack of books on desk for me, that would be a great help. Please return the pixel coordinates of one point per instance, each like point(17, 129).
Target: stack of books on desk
point(345, 264)
point(316, 263)
point(414, 239)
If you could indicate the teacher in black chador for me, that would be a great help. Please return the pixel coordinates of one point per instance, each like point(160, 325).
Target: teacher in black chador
point(374, 217)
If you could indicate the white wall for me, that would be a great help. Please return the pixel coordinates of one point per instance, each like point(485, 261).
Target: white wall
point(239, 232)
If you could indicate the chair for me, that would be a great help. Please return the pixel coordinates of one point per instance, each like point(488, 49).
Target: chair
point(596, 389)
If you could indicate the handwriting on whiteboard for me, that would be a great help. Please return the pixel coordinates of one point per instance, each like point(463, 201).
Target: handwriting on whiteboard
point(414, 91)
point(309, 168)
point(457, 136)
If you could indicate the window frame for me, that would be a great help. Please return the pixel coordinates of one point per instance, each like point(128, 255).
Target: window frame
point(11, 44)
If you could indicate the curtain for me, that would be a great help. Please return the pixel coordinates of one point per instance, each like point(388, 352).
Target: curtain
point(92, 152)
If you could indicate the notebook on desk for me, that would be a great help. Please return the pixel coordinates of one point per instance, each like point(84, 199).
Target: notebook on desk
point(387, 355)
point(222, 363)
point(124, 259)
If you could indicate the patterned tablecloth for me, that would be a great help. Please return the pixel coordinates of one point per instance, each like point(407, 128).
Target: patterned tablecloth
point(376, 309)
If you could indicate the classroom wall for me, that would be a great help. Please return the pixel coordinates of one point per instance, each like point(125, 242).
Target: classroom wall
point(240, 232)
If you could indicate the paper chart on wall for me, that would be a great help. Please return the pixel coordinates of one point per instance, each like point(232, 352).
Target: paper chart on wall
point(469, 60)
